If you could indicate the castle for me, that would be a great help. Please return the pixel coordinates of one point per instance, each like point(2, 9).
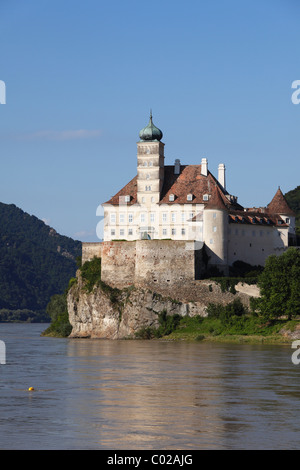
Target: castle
point(158, 227)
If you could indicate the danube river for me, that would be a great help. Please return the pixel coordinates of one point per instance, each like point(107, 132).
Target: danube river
point(102, 394)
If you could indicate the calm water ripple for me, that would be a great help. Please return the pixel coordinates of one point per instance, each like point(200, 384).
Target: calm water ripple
point(98, 394)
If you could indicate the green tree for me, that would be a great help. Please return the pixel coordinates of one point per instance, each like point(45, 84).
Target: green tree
point(280, 286)
point(58, 311)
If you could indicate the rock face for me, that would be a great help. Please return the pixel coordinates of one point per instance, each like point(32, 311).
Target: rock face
point(114, 314)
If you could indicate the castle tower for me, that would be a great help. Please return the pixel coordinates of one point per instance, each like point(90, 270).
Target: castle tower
point(150, 165)
point(215, 231)
point(279, 205)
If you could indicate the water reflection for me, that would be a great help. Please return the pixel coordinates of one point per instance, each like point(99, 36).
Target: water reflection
point(180, 395)
point(98, 394)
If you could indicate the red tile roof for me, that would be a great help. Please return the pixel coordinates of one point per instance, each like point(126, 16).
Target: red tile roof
point(278, 205)
point(188, 181)
point(129, 190)
point(256, 218)
point(217, 201)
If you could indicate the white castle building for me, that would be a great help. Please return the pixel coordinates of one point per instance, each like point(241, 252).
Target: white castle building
point(186, 202)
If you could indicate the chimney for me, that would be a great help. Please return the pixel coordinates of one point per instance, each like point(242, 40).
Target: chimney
point(204, 166)
point(177, 167)
point(221, 175)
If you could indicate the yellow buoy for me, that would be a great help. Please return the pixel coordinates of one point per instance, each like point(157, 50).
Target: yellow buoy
point(30, 389)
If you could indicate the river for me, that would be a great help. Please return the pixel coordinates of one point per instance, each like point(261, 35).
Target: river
point(104, 394)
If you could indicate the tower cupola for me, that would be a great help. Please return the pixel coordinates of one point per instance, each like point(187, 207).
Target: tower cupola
point(150, 133)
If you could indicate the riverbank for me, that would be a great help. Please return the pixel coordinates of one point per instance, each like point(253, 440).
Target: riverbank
point(248, 329)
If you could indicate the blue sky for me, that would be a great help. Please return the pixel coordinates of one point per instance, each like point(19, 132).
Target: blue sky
point(81, 77)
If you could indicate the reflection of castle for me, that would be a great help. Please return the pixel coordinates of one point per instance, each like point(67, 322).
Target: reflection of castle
point(186, 202)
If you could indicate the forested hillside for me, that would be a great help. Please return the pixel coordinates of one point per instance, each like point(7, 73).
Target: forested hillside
point(35, 263)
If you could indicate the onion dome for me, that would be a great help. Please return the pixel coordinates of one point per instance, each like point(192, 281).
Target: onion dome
point(150, 132)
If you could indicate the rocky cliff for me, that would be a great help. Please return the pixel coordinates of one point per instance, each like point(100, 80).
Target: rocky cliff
point(110, 313)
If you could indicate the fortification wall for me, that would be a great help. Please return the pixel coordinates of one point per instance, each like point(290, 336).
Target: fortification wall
point(164, 262)
point(91, 250)
point(118, 263)
point(168, 264)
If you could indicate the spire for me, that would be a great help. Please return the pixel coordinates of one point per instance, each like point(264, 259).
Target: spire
point(279, 205)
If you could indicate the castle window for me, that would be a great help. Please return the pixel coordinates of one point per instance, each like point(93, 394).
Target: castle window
point(127, 198)
point(214, 229)
point(164, 217)
point(211, 241)
point(182, 216)
point(145, 163)
point(214, 215)
point(152, 217)
point(122, 232)
point(191, 215)
point(130, 218)
point(147, 177)
point(113, 218)
point(143, 218)
point(150, 164)
point(130, 231)
point(171, 197)
point(189, 197)
point(183, 231)
point(287, 220)
point(173, 217)
point(152, 199)
point(173, 231)
point(205, 197)
point(148, 188)
point(164, 232)
point(113, 232)
point(143, 200)
point(122, 218)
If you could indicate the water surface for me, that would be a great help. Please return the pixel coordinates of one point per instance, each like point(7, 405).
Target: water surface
point(102, 394)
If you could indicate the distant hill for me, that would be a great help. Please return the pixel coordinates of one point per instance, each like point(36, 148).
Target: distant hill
point(35, 263)
point(293, 200)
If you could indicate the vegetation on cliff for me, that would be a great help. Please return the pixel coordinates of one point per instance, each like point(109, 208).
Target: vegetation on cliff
point(35, 263)
point(58, 312)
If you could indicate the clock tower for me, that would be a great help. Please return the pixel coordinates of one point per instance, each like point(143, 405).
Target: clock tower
point(150, 165)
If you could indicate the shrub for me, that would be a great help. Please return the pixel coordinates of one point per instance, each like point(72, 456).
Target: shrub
point(58, 312)
point(91, 273)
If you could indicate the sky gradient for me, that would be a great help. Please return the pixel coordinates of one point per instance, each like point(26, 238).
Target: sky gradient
point(81, 77)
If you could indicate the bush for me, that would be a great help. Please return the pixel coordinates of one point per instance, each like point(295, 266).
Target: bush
point(91, 273)
point(227, 314)
point(58, 311)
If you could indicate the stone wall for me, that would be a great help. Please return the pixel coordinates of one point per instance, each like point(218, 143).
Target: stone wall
point(118, 263)
point(164, 262)
point(91, 250)
point(150, 263)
